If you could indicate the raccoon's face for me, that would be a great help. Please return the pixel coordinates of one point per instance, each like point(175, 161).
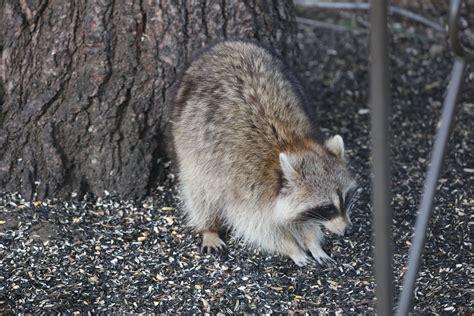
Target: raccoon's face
point(317, 187)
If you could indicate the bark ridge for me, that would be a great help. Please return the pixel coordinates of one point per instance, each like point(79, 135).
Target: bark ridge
point(86, 85)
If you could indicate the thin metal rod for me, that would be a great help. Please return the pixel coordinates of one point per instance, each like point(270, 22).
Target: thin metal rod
point(380, 108)
point(366, 6)
point(330, 26)
point(426, 206)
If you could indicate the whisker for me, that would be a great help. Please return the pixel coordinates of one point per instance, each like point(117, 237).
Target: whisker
point(315, 215)
point(353, 201)
point(306, 218)
point(311, 219)
point(301, 222)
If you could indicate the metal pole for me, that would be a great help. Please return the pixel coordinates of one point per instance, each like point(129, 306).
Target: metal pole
point(426, 206)
point(380, 108)
point(441, 140)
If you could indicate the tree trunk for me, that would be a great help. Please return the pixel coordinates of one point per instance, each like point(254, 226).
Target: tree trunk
point(85, 100)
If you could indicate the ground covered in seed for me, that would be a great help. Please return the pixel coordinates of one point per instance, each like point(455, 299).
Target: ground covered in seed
point(110, 255)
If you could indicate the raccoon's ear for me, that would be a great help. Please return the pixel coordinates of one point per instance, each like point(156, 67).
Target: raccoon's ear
point(285, 164)
point(335, 145)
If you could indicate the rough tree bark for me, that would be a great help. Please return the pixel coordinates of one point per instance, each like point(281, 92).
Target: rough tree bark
point(86, 85)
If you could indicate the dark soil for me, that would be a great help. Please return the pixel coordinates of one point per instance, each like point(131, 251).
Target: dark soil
point(109, 255)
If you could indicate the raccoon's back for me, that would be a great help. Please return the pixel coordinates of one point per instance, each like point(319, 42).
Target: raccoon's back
point(237, 110)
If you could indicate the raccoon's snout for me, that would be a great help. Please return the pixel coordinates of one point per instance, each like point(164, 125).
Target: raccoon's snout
point(338, 226)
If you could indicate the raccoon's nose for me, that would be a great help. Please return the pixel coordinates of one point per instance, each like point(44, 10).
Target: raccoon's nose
point(349, 230)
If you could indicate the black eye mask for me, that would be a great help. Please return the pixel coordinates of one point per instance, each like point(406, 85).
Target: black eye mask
point(322, 213)
point(329, 211)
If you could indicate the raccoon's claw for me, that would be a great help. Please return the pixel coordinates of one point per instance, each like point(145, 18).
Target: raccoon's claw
point(211, 250)
point(329, 262)
point(322, 257)
point(211, 243)
point(301, 259)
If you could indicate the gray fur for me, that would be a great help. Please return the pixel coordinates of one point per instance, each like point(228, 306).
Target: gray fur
point(247, 155)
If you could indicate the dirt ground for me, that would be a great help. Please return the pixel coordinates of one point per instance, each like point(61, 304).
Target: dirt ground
point(109, 255)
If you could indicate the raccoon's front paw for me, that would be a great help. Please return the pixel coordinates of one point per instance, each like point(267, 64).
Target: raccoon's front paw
point(211, 242)
point(322, 257)
point(301, 259)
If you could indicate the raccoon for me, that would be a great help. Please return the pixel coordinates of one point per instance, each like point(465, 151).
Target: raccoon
point(250, 160)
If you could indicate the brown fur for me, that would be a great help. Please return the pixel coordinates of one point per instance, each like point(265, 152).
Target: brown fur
point(238, 111)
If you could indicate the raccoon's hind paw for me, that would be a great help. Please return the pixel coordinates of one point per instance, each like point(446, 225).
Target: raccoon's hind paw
point(322, 257)
point(211, 242)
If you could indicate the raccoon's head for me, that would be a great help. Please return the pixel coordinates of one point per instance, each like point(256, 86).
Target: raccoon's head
point(316, 187)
